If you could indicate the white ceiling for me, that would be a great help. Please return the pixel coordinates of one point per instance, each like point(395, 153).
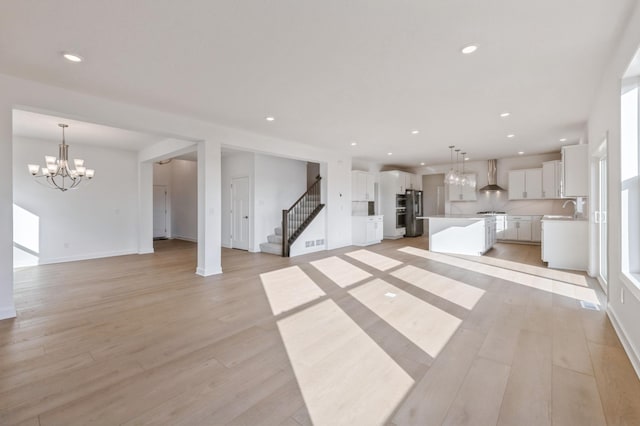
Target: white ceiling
point(335, 71)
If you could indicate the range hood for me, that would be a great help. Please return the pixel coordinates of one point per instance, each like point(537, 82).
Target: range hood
point(492, 176)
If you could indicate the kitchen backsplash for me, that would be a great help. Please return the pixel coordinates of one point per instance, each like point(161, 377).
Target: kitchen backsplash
point(492, 201)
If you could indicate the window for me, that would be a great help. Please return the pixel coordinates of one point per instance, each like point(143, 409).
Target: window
point(629, 182)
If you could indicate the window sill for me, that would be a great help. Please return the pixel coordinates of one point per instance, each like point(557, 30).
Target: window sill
point(632, 282)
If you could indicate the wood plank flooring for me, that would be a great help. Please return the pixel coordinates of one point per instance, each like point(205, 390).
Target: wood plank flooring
point(143, 340)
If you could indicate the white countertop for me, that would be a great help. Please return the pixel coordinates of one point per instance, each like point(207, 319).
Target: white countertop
point(554, 217)
point(456, 217)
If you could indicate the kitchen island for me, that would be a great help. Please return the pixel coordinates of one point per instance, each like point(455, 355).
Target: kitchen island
point(461, 234)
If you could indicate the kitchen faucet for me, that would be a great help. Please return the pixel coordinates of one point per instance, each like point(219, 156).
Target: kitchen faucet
point(575, 207)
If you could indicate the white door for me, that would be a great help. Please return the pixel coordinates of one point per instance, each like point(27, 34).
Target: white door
point(159, 211)
point(240, 213)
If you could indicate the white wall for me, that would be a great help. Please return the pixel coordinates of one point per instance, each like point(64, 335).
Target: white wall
point(279, 182)
point(184, 200)
point(235, 165)
point(312, 238)
point(499, 201)
point(605, 120)
point(97, 219)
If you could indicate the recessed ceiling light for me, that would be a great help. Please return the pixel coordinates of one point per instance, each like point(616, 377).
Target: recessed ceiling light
point(422, 164)
point(72, 57)
point(505, 114)
point(563, 140)
point(520, 152)
point(354, 143)
point(466, 159)
point(269, 118)
point(389, 153)
point(511, 135)
point(415, 132)
point(469, 49)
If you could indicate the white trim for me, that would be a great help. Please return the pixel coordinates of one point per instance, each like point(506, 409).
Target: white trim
point(7, 312)
point(631, 283)
point(630, 350)
point(204, 273)
point(89, 256)
point(147, 251)
point(603, 284)
point(179, 237)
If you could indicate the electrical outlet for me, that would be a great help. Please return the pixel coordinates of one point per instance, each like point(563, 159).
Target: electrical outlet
point(622, 295)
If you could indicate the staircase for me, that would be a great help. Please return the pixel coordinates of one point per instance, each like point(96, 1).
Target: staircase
point(274, 243)
point(294, 221)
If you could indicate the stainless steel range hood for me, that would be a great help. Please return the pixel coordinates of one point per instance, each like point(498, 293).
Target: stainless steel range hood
point(492, 176)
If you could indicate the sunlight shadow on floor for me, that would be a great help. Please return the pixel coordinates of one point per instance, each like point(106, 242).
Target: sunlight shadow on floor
point(554, 274)
point(446, 288)
point(289, 288)
point(533, 281)
point(375, 260)
point(426, 326)
point(340, 271)
point(344, 376)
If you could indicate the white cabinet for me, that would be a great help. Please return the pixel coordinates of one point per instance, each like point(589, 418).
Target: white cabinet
point(366, 230)
point(464, 193)
point(416, 182)
point(552, 179)
point(575, 159)
point(398, 182)
point(362, 186)
point(565, 243)
point(525, 184)
point(518, 228)
point(536, 228)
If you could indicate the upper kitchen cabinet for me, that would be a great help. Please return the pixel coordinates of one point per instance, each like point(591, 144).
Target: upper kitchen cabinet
point(398, 181)
point(362, 186)
point(525, 184)
point(552, 179)
point(464, 193)
point(575, 159)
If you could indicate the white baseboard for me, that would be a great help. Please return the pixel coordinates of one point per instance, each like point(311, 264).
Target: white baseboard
point(207, 272)
point(631, 351)
point(180, 237)
point(86, 256)
point(7, 312)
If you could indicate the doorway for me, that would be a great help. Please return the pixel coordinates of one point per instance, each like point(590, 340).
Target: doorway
point(240, 213)
point(160, 212)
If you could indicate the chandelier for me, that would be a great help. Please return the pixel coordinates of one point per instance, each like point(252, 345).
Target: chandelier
point(57, 174)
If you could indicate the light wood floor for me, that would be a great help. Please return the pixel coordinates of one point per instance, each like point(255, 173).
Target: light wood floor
point(143, 340)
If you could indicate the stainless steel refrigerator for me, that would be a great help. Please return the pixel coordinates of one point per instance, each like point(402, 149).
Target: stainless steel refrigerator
point(414, 226)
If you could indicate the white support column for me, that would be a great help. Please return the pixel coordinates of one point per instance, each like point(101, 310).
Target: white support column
point(7, 307)
point(209, 208)
point(145, 207)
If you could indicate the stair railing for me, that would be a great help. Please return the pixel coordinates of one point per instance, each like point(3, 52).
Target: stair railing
point(298, 217)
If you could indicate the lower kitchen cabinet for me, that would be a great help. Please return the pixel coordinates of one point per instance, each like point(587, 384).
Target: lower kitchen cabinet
point(518, 228)
point(366, 230)
point(565, 243)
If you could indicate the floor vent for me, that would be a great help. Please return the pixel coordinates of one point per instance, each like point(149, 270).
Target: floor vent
point(589, 305)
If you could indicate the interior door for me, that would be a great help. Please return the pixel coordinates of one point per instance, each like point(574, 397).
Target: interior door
point(159, 211)
point(240, 213)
